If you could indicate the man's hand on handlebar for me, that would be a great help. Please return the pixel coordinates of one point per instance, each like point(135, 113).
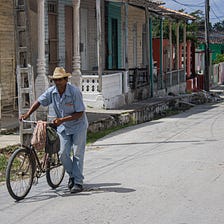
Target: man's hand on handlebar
point(23, 116)
point(57, 121)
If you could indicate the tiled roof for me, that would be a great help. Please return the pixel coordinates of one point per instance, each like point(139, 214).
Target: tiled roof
point(214, 37)
point(156, 7)
point(174, 13)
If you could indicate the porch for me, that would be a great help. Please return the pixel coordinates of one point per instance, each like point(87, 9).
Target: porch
point(124, 87)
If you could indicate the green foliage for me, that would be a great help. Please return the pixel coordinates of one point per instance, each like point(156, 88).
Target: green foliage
point(3, 163)
point(219, 59)
point(219, 26)
point(9, 149)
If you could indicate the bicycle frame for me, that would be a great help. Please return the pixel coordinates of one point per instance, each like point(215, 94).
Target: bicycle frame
point(40, 166)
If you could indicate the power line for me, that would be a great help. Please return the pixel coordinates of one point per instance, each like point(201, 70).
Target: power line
point(215, 14)
point(217, 7)
point(201, 4)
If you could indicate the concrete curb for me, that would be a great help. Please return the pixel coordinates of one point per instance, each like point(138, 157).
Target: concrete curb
point(147, 110)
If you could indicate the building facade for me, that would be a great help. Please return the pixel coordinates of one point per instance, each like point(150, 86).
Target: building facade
point(106, 45)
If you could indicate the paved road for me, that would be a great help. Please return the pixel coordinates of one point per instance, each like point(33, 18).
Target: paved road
point(168, 171)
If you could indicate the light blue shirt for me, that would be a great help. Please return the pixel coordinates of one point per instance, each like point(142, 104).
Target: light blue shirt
point(70, 102)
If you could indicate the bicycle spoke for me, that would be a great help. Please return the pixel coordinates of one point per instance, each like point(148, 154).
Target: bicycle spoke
point(19, 174)
point(55, 171)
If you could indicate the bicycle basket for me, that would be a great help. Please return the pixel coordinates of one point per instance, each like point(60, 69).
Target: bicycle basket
point(52, 140)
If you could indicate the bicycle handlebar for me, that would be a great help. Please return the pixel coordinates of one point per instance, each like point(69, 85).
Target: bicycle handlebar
point(35, 122)
point(25, 121)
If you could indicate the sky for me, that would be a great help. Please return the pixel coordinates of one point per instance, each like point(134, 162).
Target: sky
point(216, 7)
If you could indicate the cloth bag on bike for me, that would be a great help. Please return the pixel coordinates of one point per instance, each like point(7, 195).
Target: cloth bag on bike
point(52, 140)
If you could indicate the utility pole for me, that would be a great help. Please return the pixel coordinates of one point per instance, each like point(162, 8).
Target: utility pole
point(207, 53)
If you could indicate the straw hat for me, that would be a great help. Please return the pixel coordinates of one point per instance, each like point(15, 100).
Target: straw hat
point(59, 73)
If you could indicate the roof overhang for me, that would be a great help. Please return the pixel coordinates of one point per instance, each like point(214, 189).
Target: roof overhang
point(156, 8)
point(141, 3)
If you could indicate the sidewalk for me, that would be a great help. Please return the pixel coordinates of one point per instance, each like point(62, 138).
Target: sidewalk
point(100, 119)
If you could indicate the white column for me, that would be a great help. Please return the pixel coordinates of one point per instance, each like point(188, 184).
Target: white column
point(99, 43)
point(41, 82)
point(76, 73)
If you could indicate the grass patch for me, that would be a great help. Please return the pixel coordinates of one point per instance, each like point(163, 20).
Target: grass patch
point(5, 153)
point(92, 137)
point(3, 163)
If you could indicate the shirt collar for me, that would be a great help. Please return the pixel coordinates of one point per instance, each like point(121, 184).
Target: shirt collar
point(67, 92)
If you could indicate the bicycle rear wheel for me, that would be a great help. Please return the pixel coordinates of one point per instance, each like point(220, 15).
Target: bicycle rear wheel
point(55, 171)
point(20, 173)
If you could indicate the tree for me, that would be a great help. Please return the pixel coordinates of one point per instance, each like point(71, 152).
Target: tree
point(219, 59)
point(199, 23)
point(218, 27)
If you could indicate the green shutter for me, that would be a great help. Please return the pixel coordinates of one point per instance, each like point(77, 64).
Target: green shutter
point(114, 12)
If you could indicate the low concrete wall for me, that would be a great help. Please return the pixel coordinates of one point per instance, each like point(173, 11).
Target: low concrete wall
point(150, 109)
point(141, 113)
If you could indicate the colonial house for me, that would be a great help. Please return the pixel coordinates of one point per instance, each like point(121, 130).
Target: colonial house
point(107, 45)
point(7, 56)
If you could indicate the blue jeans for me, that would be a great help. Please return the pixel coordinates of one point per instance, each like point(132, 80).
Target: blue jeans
point(73, 165)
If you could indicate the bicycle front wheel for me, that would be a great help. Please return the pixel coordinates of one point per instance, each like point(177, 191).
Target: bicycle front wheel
point(20, 173)
point(55, 171)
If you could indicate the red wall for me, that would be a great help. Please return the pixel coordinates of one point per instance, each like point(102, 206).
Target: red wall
point(156, 50)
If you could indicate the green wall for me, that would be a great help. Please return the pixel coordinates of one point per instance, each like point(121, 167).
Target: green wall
point(215, 48)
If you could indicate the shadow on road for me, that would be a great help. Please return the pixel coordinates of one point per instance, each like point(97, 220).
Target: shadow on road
point(90, 189)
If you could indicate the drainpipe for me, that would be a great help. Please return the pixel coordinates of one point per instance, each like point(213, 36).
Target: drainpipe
point(161, 51)
point(76, 73)
point(151, 55)
point(99, 44)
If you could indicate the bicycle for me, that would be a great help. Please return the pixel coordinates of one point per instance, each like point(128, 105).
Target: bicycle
point(25, 164)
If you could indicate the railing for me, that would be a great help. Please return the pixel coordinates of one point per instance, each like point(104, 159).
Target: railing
point(182, 76)
point(112, 82)
point(174, 77)
point(90, 84)
point(138, 77)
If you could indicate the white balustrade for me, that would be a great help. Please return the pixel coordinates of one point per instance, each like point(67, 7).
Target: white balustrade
point(90, 84)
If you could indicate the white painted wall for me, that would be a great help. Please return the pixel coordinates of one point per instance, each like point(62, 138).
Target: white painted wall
point(112, 85)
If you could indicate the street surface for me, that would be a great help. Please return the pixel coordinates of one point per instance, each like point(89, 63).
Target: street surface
point(167, 171)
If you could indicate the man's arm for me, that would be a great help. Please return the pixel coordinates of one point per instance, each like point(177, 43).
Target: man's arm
point(74, 116)
point(34, 107)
